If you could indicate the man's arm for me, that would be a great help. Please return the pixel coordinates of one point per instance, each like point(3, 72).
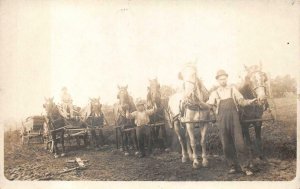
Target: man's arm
point(130, 115)
point(212, 101)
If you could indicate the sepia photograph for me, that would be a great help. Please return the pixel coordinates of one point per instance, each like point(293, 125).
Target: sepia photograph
point(172, 92)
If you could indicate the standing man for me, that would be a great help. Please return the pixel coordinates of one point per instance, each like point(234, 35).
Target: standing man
point(226, 100)
point(66, 101)
point(143, 131)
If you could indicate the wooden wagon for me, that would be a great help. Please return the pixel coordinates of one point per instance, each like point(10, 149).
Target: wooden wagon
point(33, 129)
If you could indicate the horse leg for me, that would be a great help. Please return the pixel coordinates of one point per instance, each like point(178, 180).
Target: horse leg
point(77, 141)
point(188, 146)
point(62, 140)
point(246, 134)
point(54, 143)
point(258, 143)
point(93, 138)
point(101, 138)
point(203, 144)
point(152, 130)
point(85, 139)
point(190, 130)
point(164, 138)
point(148, 139)
point(181, 138)
point(126, 143)
point(122, 140)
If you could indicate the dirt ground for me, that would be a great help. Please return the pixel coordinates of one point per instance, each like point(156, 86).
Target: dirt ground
point(34, 163)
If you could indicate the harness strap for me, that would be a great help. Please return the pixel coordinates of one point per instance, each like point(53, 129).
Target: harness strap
point(231, 96)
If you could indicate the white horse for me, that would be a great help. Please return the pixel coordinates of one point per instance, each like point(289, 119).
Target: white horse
point(191, 102)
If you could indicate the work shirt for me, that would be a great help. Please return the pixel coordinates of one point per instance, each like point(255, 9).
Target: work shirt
point(141, 118)
point(222, 93)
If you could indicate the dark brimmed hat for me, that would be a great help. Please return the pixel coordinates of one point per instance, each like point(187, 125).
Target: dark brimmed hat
point(220, 73)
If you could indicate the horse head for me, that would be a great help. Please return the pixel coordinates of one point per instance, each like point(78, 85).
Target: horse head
point(95, 105)
point(124, 98)
point(189, 77)
point(154, 95)
point(49, 105)
point(256, 80)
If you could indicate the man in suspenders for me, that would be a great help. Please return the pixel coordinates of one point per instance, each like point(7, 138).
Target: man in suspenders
point(226, 100)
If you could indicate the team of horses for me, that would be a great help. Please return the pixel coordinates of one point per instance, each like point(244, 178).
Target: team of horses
point(183, 112)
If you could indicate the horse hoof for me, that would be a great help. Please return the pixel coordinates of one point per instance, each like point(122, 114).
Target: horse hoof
point(205, 163)
point(195, 165)
point(136, 153)
point(63, 155)
point(184, 159)
point(126, 154)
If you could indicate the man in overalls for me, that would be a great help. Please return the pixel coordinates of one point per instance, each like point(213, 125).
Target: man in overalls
point(226, 100)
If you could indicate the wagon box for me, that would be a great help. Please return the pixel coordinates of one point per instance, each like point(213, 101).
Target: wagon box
point(32, 128)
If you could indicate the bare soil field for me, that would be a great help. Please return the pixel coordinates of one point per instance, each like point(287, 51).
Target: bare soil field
point(32, 162)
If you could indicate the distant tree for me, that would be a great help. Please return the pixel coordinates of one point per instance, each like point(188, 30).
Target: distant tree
point(282, 85)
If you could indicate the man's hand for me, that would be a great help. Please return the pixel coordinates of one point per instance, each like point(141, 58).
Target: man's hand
point(204, 105)
point(252, 101)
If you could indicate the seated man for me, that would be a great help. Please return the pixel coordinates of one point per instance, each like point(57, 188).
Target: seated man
point(67, 102)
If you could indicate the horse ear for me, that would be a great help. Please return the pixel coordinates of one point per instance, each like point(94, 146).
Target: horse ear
point(246, 68)
point(180, 76)
point(148, 88)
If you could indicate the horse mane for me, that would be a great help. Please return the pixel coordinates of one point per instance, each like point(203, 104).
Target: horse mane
point(203, 90)
point(131, 104)
point(244, 87)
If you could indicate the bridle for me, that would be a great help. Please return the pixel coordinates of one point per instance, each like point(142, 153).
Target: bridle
point(193, 96)
point(257, 84)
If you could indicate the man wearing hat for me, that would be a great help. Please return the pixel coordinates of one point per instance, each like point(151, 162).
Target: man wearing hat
point(141, 119)
point(226, 100)
point(66, 100)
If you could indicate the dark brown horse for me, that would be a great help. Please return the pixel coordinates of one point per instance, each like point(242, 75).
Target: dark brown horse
point(158, 133)
point(254, 86)
point(56, 124)
point(95, 122)
point(125, 104)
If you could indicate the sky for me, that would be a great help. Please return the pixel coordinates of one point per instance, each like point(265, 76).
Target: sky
point(91, 47)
